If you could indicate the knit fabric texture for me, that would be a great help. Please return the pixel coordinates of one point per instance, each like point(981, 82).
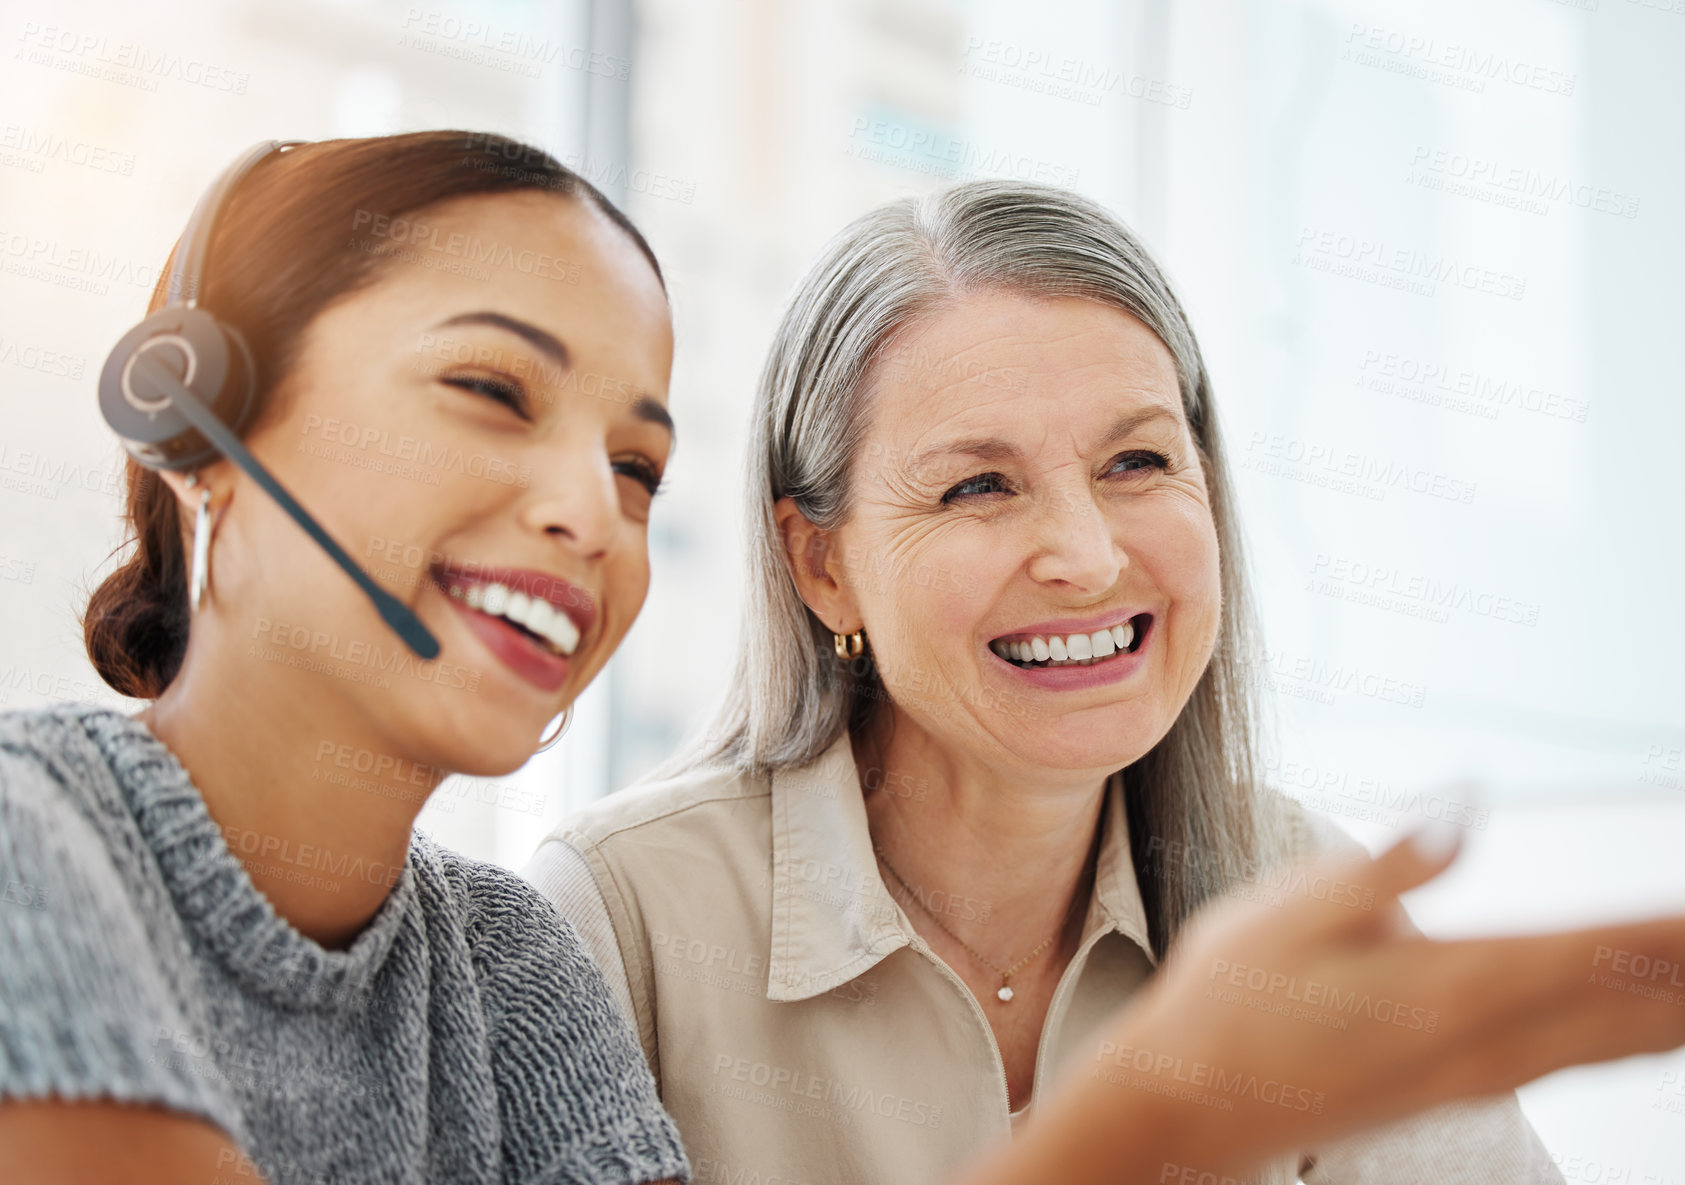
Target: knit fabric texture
point(463, 1037)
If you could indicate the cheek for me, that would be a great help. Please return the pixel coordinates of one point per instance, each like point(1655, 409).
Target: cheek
point(1183, 559)
point(626, 582)
point(919, 586)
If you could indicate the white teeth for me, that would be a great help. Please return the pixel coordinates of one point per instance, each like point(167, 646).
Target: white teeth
point(563, 630)
point(534, 613)
point(1072, 649)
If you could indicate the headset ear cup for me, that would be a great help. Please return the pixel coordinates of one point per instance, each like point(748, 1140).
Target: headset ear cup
point(209, 358)
point(238, 399)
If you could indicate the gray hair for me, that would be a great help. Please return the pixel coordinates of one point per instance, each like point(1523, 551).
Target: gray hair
point(1196, 820)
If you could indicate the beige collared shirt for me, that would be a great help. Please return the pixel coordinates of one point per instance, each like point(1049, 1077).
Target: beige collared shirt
point(803, 1033)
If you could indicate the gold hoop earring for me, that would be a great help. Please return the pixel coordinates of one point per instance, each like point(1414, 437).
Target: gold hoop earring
point(546, 743)
point(201, 577)
point(850, 645)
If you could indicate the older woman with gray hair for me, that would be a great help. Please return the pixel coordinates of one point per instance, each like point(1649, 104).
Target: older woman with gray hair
point(990, 746)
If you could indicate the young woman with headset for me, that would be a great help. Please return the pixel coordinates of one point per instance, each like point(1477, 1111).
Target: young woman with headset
point(236, 961)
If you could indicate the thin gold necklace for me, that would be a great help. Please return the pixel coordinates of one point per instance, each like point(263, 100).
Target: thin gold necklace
point(1004, 994)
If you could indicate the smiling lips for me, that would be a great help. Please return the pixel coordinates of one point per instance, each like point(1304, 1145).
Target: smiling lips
point(532, 621)
point(1085, 648)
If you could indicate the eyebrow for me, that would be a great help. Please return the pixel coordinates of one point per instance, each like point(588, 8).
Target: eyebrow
point(651, 411)
point(993, 448)
point(647, 409)
point(545, 342)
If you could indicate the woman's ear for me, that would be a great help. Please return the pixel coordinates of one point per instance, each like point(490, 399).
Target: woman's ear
point(213, 477)
point(816, 565)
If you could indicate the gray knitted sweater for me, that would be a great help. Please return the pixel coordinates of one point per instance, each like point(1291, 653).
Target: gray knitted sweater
point(463, 1038)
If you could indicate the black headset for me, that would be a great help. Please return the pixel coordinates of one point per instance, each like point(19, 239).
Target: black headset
point(180, 387)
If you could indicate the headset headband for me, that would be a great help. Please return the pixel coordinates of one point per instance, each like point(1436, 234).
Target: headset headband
point(188, 272)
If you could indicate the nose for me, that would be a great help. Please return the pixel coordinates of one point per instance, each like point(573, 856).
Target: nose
point(574, 501)
point(1075, 545)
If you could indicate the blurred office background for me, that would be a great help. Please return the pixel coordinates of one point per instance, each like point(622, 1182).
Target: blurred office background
point(1433, 253)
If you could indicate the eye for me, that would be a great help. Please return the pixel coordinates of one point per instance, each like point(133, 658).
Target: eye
point(1140, 459)
point(509, 393)
point(641, 470)
point(983, 483)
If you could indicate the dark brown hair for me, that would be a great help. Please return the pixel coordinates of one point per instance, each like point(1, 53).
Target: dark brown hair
point(284, 248)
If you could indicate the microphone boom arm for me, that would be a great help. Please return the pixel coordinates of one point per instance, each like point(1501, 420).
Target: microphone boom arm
point(392, 611)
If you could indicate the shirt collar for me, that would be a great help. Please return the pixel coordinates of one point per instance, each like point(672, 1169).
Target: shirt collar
point(832, 916)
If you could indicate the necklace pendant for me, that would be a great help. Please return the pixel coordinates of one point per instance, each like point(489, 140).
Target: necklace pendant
point(1004, 994)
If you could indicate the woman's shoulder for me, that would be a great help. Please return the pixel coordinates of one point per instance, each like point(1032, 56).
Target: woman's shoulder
point(491, 904)
point(54, 742)
point(76, 765)
point(523, 953)
point(702, 796)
